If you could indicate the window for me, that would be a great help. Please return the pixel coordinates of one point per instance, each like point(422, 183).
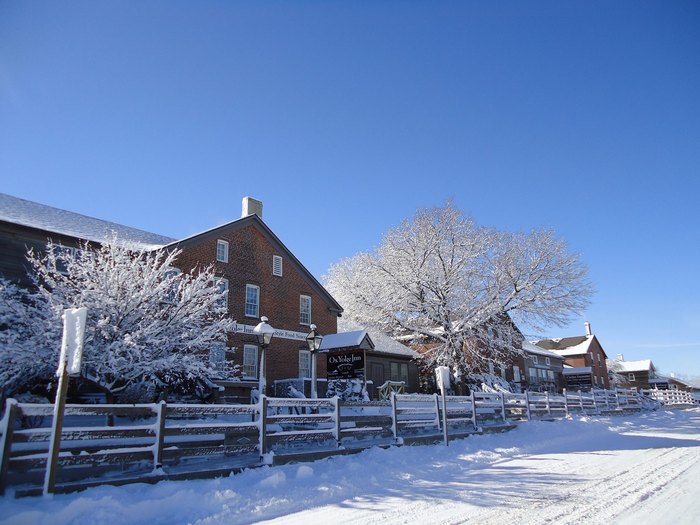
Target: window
point(547, 361)
point(252, 300)
point(550, 375)
point(304, 309)
point(217, 358)
point(630, 377)
point(223, 287)
point(535, 360)
point(595, 380)
point(222, 251)
point(600, 359)
point(516, 373)
point(399, 372)
point(64, 255)
point(277, 266)
point(532, 374)
point(250, 361)
point(304, 363)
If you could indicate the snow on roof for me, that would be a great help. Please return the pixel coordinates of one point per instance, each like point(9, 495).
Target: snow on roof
point(578, 349)
point(530, 348)
point(55, 220)
point(343, 340)
point(634, 366)
point(382, 342)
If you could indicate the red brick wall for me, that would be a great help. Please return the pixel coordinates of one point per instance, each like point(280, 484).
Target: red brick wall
point(250, 262)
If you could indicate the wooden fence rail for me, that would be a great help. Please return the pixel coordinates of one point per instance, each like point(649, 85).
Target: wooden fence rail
point(154, 441)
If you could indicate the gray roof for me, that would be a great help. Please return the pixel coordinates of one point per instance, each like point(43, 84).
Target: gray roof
point(61, 222)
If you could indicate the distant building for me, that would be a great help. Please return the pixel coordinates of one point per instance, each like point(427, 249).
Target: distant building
point(544, 369)
point(584, 360)
point(633, 374)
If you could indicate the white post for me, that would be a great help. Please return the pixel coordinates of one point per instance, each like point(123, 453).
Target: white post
point(527, 404)
point(314, 394)
point(566, 403)
point(69, 362)
point(262, 381)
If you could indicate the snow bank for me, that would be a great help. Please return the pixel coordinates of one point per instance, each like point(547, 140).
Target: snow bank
point(492, 469)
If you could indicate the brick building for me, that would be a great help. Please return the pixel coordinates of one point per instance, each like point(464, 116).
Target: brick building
point(584, 360)
point(262, 276)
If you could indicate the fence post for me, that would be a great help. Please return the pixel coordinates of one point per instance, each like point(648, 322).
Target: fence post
point(580, 399)
point(161, 409)
point(527, 404)
point(566, 403)
point(503, 406)
point(595, 402)
point(607, 400)
point(437, 411)
point(263, 426)
point(7, 431)
point(473, 409)
point(444, 418)
point(394, 422)
point(336, 406)
point(546, 400)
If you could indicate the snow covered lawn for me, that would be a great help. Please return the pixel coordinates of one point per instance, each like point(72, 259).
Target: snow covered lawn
point(642, 468)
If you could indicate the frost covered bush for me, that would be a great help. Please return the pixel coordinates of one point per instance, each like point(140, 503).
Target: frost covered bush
point(347, 389)
point(149, 325)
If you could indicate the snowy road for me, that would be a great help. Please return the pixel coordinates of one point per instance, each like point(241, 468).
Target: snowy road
point(630, 469)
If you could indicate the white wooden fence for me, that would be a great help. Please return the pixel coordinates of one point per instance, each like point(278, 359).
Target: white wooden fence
point(150, 442)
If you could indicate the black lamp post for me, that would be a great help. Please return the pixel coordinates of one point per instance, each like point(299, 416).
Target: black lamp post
point(264, 332)
point(313, 340)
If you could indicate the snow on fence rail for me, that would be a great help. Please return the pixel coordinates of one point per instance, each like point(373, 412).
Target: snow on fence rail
point(670, 397)
point(156, 441)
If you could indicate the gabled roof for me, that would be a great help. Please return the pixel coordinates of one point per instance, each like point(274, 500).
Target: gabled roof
point(358, 339)
point(257, 222)
point(61, 222)
point(529, 348)
point(644, 365)
point(383, 344)
point(568, 346)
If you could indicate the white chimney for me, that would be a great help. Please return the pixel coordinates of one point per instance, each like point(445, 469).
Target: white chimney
point(252, 206)
point(588, 329)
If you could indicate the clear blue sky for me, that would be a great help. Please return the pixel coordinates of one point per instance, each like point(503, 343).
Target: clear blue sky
point(345, 117)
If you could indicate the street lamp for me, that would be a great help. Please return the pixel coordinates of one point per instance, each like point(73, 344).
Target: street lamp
point(264, 332)
point(313, 340)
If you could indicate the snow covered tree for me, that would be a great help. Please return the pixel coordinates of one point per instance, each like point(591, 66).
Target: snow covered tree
point(149, 326)
point(442, 280)
point(28, 333)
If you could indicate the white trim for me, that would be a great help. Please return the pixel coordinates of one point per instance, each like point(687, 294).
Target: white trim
point(302, 321)
point(277, 265)
point(221, 251)
point(252, 365)
point(257, 303)
point(306, 371)
point(239, 328)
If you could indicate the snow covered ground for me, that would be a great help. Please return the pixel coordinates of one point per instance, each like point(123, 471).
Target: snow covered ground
point(642, 468)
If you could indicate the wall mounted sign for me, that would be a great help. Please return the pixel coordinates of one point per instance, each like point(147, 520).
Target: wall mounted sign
point(279, 333)
point(346, 365)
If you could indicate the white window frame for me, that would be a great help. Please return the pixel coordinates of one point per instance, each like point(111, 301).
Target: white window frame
point(221, 250)
point(250, 361)
point(256, 304)
point(302, 320)
point(535, 360)
point(224, 281)
point(304, 364)
point(630, 377)
point(547, 361)
point(277, 266)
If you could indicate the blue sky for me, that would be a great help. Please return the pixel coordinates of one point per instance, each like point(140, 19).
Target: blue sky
point(345, 117)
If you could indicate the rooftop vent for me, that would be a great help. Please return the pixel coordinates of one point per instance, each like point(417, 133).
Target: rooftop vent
point(588, 328)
